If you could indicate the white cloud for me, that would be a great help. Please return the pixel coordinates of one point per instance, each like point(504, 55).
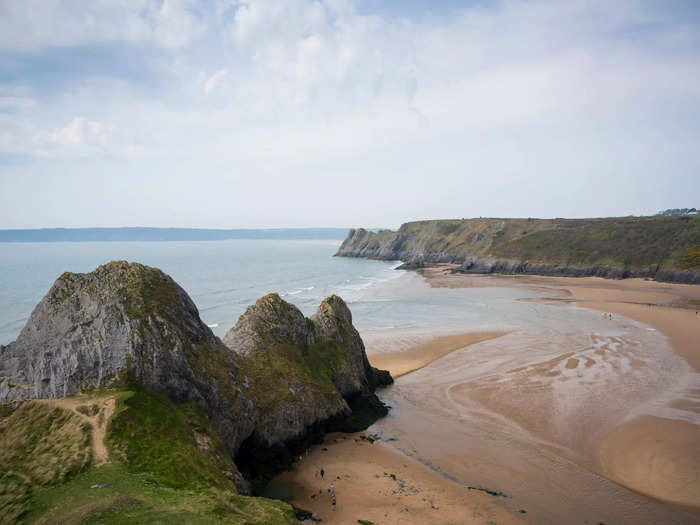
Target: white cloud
point(214, 79)
point(80, 132)
point(516, 90)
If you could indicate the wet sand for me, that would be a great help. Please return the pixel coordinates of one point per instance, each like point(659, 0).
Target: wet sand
point(654, 448)
point(561, 418)
point(374, 482)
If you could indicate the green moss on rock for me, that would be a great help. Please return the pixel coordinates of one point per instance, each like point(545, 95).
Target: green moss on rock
point(174, 444)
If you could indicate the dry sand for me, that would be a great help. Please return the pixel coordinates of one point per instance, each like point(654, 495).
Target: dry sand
point(374, 482)
point(415, 358)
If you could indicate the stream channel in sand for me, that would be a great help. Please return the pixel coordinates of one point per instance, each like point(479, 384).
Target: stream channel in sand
point(524, 413)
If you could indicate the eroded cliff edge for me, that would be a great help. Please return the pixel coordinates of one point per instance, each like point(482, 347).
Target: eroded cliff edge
point(662, 248)
point(276, 382)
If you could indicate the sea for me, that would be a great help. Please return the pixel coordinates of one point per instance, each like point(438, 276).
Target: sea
point(224, 277)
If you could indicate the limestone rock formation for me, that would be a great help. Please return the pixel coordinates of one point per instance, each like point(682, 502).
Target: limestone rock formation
point(93, 329)
point(274, 383)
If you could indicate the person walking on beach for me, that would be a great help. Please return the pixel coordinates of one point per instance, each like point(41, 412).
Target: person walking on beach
point(332, 489)
point(322, 473)
point(333, 500)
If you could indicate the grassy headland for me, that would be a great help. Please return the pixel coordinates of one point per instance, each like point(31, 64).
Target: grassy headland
point(667, 248)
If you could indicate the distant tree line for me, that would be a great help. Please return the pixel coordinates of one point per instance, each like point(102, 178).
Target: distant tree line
point(678, 211)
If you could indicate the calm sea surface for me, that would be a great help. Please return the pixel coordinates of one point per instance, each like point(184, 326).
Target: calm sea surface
point(225, 277)
point(222, 277)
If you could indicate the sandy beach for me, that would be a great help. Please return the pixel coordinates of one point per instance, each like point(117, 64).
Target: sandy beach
point(374, 482)
point(657, 456)
point(404, 361)
point(584, 419)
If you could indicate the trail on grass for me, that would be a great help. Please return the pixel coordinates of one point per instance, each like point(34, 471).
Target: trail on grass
point(97, 420)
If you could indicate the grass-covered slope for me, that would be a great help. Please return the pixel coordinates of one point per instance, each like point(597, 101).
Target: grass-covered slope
point(167, 464)
point(627, 242)
point(665, 247)
point(39, 446)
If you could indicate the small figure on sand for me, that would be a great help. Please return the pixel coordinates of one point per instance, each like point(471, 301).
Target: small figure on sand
point(332, 489)
point(333, 500)
point(322, 473)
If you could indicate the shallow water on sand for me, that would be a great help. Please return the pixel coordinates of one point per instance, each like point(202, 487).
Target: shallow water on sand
point(523, 413)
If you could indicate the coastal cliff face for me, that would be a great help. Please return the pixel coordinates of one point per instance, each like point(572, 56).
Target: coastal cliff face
point(274, 383)
point(663, 248)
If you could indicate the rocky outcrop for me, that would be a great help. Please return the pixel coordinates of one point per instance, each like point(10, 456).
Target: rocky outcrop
point(96, 329)
point(487, 265)
point(662, 248)
point(277, 380)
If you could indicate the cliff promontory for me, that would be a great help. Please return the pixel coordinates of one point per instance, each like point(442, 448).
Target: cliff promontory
point(275, 383)
point(663, 248)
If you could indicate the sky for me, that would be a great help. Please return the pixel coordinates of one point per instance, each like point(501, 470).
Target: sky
point(344, 113)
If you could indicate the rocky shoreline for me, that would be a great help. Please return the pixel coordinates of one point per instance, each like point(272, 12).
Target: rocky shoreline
point(475, 251)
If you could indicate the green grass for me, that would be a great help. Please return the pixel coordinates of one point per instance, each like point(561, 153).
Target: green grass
point(280, 369)
point(132, 498)
point(691, 259)
point(88, 410)
point(167, 465)
point(15, 497)
point(631, 242)
point(44, 444)
point(153, 436)
point(6, 410)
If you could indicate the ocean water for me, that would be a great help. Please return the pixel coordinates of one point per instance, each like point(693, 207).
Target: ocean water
point(225, 277)
point(222, 277)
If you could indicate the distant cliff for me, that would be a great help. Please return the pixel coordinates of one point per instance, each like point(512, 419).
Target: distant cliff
point(663, 248)
point(276, 382)
point(164, 234)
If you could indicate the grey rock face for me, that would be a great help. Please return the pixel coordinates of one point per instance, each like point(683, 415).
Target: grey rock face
point(269, 320)
point(333, 321)
point(279, 375)
point(92, 329)
point(481, 265)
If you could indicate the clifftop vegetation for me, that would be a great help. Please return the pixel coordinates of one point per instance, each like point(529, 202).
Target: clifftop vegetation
point(166, 464)
point(644, 246)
